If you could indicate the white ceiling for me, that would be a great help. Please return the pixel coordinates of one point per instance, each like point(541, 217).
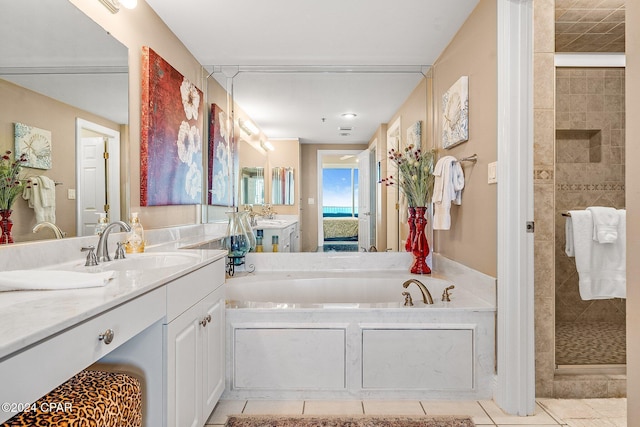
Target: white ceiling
point(53, 48)
point(381, 34)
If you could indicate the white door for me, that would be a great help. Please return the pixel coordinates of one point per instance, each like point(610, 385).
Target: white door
point(92, 183)
point(98, 175)
point(364, 202)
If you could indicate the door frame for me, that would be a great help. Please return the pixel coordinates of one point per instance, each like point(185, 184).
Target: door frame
point(113, 169)
point(321, 154)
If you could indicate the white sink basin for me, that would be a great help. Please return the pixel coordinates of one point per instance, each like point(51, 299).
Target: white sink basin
point(143, 261)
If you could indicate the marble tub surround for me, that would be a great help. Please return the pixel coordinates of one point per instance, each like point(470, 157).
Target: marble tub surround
point(358, 339)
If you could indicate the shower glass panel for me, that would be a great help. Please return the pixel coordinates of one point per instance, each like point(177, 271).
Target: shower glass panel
point(589, 159)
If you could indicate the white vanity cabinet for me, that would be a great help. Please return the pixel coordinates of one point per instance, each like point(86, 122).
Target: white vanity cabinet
point(288, 237)
point(195, 346)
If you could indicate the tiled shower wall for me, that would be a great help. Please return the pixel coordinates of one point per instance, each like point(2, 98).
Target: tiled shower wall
point(589, 172)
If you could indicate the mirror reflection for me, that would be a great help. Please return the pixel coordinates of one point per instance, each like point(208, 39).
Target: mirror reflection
point(64, 74)
point(252, 185)
point(282, 186)
point(307, 109)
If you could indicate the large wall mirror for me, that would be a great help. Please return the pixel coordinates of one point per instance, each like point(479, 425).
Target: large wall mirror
point(62, 72)
point(308, 104)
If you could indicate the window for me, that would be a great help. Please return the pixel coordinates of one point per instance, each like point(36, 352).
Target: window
point(339, 192)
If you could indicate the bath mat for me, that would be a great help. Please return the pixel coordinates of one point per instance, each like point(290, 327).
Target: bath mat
point(347, 421)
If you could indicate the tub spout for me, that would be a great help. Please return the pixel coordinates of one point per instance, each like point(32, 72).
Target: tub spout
point(426, 295)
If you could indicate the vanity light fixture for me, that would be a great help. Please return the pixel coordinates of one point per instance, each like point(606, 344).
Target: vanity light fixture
point(248, 127)
point(349, 115)
point(114, 5)
point(267, 146)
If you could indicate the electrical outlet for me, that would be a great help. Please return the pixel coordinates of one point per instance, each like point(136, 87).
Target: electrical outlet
point(71, 194)
point(492, 173)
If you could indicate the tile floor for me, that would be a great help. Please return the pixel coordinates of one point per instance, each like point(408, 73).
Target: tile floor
point(549, 412)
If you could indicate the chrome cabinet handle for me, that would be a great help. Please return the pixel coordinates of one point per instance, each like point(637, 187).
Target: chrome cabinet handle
point(106, 336)
point(206, 320)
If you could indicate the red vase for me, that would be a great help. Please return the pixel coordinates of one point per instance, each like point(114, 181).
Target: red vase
point(412, 229)
point(6, 224)
point(420, 247)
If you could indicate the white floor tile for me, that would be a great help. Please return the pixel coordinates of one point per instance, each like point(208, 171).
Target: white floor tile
point(392, 407)
point(568, 408)
point(333, 407)
point(470, 407)
point(595, 422)
point(223, 409)
point(540, 417)
point(274, 407)
point(608, 408)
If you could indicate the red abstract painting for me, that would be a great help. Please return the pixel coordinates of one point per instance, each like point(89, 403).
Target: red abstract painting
point(171, 135)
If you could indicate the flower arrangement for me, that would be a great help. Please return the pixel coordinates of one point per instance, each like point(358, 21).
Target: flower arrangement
point(11, 185)
point(414, 174)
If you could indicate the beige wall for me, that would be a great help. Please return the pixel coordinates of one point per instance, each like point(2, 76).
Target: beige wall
point(136, 28)
point(633, 211)
point(28, 107)
point(414, 109)
point(309, 189)
point(472, 239)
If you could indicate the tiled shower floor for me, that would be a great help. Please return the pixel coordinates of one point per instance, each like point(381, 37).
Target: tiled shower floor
point(590, 344)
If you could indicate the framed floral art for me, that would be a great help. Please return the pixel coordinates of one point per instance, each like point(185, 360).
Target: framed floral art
point(222, 157)
point(171, 135)
point(455, 113)
point(35, 144)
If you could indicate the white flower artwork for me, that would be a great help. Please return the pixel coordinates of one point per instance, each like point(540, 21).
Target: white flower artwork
point(35, 143)
point(455, 113)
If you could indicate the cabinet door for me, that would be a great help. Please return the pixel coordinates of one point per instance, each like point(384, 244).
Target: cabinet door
point(184, 382)
point(213, 345)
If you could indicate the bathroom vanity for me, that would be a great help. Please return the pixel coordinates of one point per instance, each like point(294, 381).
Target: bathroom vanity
point(162, 314)
point(282, 231)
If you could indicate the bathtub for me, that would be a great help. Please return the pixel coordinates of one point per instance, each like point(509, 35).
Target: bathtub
point(328, 335)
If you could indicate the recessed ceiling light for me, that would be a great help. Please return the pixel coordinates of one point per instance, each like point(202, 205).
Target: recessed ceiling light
point(345, 134)
point(349, 115)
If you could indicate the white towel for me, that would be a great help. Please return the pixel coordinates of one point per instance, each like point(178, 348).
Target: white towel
point(447, 189)
point(33, 280)
point(41, 195)
point(569, 249)
point(601, 267)
point(605, 224)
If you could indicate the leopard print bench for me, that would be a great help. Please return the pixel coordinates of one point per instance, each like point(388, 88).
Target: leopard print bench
point(90, 398)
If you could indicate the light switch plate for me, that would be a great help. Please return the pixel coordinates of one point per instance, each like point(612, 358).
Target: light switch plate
point(492, 173)
point(71, 194)
point(311, 201)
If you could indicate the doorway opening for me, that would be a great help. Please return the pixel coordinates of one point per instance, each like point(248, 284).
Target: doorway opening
point(97, 175)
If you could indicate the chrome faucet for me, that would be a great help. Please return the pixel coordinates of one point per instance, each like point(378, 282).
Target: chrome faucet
point(426, 295)
point(46, 224)
point(103, 246)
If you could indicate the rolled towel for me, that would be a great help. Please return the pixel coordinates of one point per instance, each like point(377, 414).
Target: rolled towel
point(39, 280)
point(605, 224)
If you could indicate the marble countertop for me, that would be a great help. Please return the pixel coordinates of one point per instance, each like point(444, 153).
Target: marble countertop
point(27, 317)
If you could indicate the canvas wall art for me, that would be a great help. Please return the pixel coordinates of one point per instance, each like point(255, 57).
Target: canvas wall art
point(171, 135)
point(35, 143)
point(414, 135)
point(455, 113)
point(223, 158)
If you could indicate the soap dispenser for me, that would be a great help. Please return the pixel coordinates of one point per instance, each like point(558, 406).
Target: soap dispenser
point(103, 222)
point(135, 237)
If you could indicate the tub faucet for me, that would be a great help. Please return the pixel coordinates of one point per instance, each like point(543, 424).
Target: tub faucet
point(56, 230)
point(103, 246)
point(426, 295)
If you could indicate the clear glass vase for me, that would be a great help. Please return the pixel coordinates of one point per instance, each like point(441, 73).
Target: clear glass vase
point(245, 218)
point(236, 242)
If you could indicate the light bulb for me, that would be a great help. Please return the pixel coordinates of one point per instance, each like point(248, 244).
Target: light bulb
point(129, 4)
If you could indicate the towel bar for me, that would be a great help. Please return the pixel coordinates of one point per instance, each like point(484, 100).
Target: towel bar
point(472, 158)
point(566, 214)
